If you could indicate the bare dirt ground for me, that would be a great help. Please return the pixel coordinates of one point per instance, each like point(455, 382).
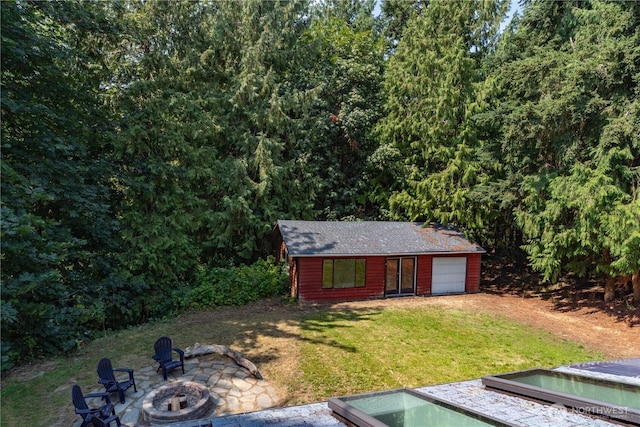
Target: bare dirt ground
point(572, 309)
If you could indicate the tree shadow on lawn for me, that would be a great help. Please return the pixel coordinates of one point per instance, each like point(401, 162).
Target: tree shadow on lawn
point(508, 274)
point(333, 320)
point(257, 329)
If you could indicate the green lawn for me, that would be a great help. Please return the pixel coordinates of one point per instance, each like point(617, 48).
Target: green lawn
point(309, 353)
point(359, 351)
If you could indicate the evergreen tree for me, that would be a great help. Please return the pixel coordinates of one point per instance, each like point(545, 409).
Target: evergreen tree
point(212, 121)
point(569, 117)
point(434, 88)
point(347, 70)
point(395, 16)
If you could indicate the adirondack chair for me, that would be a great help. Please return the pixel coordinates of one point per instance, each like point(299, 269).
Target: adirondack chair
point(98, 422)
point(103, 412)
point(164, 356)
point(107, 377)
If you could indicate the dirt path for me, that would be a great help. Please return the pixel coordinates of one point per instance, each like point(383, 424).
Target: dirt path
point(595, 329)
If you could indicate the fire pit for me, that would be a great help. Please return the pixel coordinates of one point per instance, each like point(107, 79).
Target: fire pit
point(178, 401)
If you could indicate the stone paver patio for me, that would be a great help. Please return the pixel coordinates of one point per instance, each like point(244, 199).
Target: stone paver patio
point(232, 387)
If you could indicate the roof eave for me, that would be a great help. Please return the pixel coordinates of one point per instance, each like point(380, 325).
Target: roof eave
point(326, 255)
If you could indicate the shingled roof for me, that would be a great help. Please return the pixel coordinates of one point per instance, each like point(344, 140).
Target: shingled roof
point(335, 238)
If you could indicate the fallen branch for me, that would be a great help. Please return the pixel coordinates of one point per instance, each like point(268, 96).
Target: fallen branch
point(199, 350)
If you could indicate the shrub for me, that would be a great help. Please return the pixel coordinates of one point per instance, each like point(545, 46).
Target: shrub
point(241, 285)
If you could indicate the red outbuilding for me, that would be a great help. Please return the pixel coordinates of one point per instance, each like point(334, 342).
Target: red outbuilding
point(340, 261)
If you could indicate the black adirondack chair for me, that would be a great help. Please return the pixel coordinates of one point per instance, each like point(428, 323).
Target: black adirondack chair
point(107, 377)
point(98, 422)
point(164, 356)
point(103, 413)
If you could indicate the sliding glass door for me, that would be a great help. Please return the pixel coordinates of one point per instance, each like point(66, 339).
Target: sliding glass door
point(400, 276)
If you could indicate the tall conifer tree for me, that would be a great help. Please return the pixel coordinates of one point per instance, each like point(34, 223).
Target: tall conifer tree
point(433, 85)
point(569, 108)
point(347, 70)
point(212, 106)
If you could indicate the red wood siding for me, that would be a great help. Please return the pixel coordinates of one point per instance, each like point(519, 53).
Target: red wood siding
point(473, 273)
point(306, 278)
point(423, 275)
point(310, 281)
point(293, 278)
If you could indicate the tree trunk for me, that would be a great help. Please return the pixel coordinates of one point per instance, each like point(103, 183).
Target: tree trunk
point(635, 281)
point(610, 289)
point(199, 350)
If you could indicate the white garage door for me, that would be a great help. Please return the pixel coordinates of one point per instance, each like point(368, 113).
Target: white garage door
point(448, 275)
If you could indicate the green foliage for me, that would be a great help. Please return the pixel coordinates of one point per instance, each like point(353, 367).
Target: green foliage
point(59, 231)
point(622, 235)
point(568, 109)
point(396, 14)
point(142, 140)
point(563, 218)
point(434, 88)
point(216, 287)
point(347, 70)
point(211, 135)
